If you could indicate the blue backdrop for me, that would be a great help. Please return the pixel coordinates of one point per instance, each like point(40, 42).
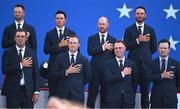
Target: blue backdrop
point(82, 16)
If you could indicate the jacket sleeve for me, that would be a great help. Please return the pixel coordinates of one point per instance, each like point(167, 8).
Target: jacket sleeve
point(9, 68)
point(92, 48)
point(49, 48)
point(109, 76)
point(6, 40)
point(129, 41)
point(33, 39)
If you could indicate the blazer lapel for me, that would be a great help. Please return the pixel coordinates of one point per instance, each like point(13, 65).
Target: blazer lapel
point(157, 61)
point(16, 54)
point(135, 30)
point(26, 52)
point(97, 39)
point(116, 65)
point(78, 58)
point(170, 62)
point(66, 59)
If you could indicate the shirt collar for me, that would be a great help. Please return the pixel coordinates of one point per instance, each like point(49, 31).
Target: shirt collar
point(75, 54)
point(22, 22)
point(105, 34)
point(23, 49)
point(160, 58)
point(139, 25)
point(123, 59)
point(63, 28)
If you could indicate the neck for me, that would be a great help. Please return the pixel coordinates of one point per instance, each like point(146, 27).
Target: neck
point(120, 57)
point(19, 21)
point(60, 27)
point(140, 23)
point(72, 52)
point(163, 57)
point(20, 46)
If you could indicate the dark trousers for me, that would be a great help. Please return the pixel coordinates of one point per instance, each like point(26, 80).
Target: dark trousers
point(21, 101)
point(119, 104)
point(75, 97)
point(163, 105)
point(96, 81)
point(144, 87)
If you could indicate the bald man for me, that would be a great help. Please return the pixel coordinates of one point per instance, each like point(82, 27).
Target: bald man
point(100, 48)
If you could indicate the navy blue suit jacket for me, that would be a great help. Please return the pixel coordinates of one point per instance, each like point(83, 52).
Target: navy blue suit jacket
point(117, 84)
point(164, 90)
point(11, 69)
point(73, 83)
point(51, 44)
point(96, 51)
point(9, 33)
point(141, 53)
point(51, 47)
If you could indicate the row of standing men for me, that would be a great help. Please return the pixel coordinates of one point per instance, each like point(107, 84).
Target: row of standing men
point(139, 38)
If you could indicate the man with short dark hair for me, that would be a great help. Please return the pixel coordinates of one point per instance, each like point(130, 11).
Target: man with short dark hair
point(140, 40)
point(20, 67)
point(120, 73)
point(165, 76)
point(72, 71)
point(56, 43)
point(9, 31)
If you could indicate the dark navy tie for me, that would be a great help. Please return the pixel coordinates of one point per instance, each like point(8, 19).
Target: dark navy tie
point(72, 59)
point(163, 66)
point(140, 29)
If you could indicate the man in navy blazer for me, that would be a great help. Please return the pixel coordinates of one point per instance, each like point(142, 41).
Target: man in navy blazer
point(56, 43)
point(100, 47)
point(165, 76)
point(120, 73)
point(20, 67)
point(72, 71)
point(9, 31)
point(141, 42)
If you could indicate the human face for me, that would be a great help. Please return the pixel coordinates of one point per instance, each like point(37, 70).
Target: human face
point(103, 25)
point(140, 15)
point(164, 50)
point(119, 50)
point(73, 44)
point(20, 39)
point(60, 20)
point(18, 13)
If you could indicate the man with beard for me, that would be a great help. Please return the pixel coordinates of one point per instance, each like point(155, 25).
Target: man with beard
point(140, 40)
point(100, 47)
point(56, 42)
point(9, 31)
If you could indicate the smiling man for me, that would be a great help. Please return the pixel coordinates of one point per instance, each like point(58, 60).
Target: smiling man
point(120, 73)
point(72, 71)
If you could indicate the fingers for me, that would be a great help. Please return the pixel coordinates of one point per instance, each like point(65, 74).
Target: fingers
point(127, 71)
point(168, 74)
point(35, 98)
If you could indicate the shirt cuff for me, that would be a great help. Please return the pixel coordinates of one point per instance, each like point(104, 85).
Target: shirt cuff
point(137, 41)
point(36, 92)
point(21, 66)
point(66, 73)
point(161, 76)
point(103, 48)
point(122, 74)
